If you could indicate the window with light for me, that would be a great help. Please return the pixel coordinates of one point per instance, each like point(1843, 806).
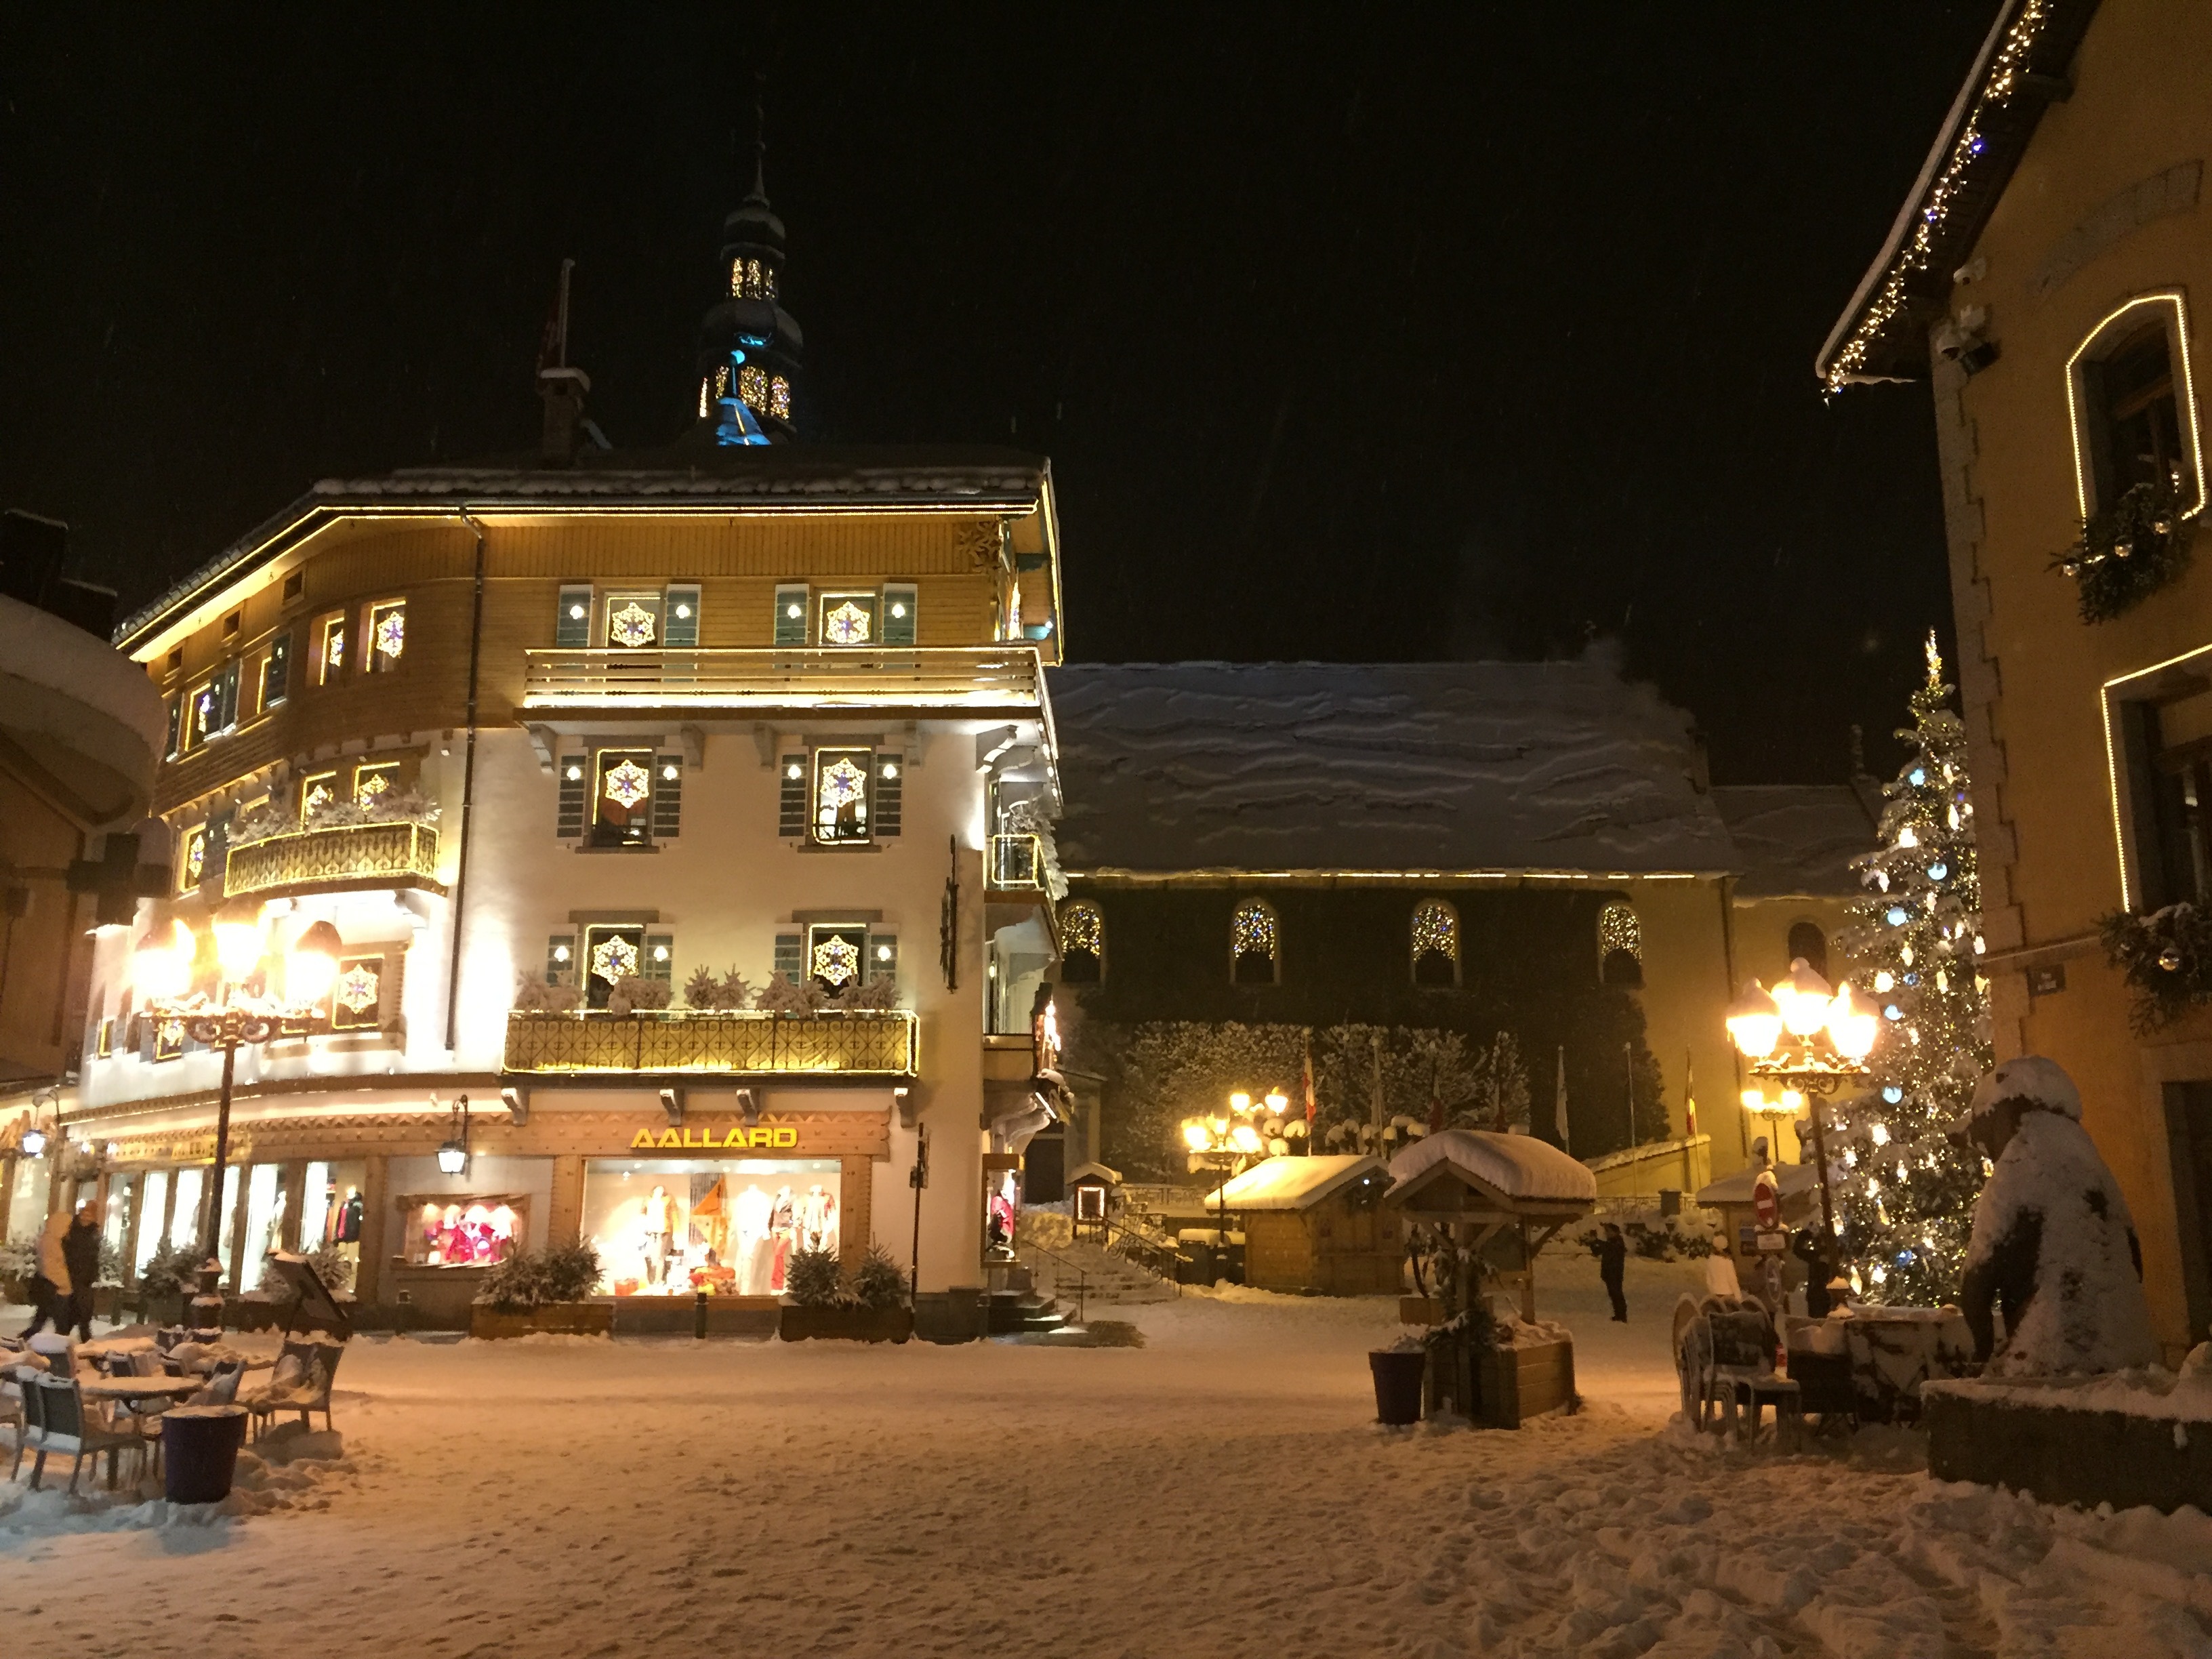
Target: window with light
point(842, 785)
point(1255, 942)
point(1620, 946)
point(1435, 944)
point(387, 635)
point(621, 813)
point(1082, 944)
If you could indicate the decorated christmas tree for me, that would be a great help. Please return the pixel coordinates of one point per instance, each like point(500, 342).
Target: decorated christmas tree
point(1906, 1195)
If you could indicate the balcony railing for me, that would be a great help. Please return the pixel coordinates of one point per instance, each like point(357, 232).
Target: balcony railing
point(400, 854)
point(1018, 861)
point(987, 678)
point(860, 1043)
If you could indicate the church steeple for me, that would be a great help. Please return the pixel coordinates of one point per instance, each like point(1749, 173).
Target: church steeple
point(750, 345)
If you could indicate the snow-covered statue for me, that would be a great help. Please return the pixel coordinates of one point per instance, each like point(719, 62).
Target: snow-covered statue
point(2053, 1245)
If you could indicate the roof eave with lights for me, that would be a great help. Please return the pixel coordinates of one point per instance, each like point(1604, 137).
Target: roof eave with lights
point(2020, 68)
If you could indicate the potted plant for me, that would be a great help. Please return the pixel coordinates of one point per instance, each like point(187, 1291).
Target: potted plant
point(167, 1284)
point(545, 1290)
point(818, 1302)
point(18, 1261)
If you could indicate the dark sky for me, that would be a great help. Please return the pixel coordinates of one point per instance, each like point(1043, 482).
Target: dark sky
point(1364, 332)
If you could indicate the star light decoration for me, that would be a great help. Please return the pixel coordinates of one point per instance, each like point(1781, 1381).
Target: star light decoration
point(835, 961)
point(614, 957)
point(2005, 72)
point(631, 627)
point(846, 625)
point(627, 784)
point(392, 632)
point(357, 989)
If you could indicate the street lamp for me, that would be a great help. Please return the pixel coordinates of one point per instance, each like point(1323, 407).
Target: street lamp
point(258, 993)
point(1224, 1141)
point(1807, 1040)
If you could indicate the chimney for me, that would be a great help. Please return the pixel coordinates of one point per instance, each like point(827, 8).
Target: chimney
point(563, 390)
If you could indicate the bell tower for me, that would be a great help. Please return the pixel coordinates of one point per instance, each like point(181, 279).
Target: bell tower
point(749, 345)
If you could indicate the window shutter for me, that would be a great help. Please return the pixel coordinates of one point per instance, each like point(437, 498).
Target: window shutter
point(226, 696)
point(881, 966)
point(899, 613)
point(885, 798)
point(176, 724)
point(277, 672)
point(660, 957)
point(572, 624)
point(790, 957)
point(575, 775)
point(791, 797)
point(790, 603)
point(680, 619)
point(561, 959)
point(667, 796)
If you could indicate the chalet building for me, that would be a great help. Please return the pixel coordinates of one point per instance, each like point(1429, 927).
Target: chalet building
point(2046, 277)
point(561, 743)
point(1469, 848)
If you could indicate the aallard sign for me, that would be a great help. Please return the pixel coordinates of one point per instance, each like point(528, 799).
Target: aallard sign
point(761, 1138)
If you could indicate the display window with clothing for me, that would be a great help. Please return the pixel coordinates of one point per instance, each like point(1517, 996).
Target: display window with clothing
point(672, 1226)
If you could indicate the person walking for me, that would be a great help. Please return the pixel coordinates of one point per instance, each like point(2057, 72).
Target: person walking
point(81, 1251)
point(1612, 1264)
point(50, 1283)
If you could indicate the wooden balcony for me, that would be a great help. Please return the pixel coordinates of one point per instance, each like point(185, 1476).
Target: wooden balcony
point(1017, 864)
point(856, 1043)
point(984, 680)
point(335, 860)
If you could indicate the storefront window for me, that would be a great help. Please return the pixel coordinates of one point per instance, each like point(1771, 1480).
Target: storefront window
point(265, 1220)
point(668, 1226)
point(184, 1213)
point(26, 1204)
point(474, 1231)
point(1002, 1209)
point(330, 1208)
point(115, 1215)
point(227, 1218)
point(153, 1203)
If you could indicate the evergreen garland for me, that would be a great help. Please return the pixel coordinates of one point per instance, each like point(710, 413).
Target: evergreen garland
point(2166, 956)
point(2127, 551)
point(1905, 1190)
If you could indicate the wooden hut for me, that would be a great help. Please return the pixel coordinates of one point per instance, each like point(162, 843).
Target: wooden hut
point(1314, 1223)
point(1485, 1185)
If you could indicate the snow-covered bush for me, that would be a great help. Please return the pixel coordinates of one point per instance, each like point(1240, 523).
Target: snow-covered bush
point(392, 806)
point(881, 1282)
point(18, 1259)
point(876, 993)
point(811, 1279)
point(781, 995)
point(632, 993)
point(723, 993)
point(532, 995)
point(534, 1279)
point(171, 1272)
point(330, 1267)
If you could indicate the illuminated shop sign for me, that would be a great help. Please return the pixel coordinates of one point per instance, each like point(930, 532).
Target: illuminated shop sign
point(765, 1138)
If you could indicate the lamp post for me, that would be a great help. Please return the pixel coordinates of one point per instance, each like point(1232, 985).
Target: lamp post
point(1223, 1141)
point(258, 993)
point(1808, 1041)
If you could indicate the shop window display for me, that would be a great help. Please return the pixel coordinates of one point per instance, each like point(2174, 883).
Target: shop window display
point(264, 1220)
point(153, 1207)
point(115, 1219)
point(1002, 1209)
point(330, 1208)
point(479, 1229)
point(670, 1226)
point(184, 1213)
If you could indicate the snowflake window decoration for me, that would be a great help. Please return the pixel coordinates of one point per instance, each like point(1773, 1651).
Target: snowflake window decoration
point(392, 632)
point(614, 957)
point(357, 989)
point(835, 961)
point(752, 387)
point(334, 646)
point(1080, 928)
point(627, 785)
point(846, 625)
point(841, 787)
point(1436, 928)
point(318, 795)
point(371, 784)
point(631, 627)
point(195, 857)
point(1252, 932)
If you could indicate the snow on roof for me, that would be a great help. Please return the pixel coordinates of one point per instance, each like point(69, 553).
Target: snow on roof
point(1292, 1183)
point(1268, 767)
point(1519, 1166)
point(1084, 1171)
point(1789, 1179)
point(1795, 840)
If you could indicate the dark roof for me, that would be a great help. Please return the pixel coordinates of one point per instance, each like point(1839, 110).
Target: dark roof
point(1795, 840)
point(1320, 767)
point(2020, 68)
point(703, 475)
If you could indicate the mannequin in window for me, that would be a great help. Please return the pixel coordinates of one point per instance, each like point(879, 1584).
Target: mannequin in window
point(345, 1224)
point(659, 1223)
point(783, 1231)
point(753, 1247)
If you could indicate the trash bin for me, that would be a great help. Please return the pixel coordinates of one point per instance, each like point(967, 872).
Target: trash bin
point(1398, 1384)
point(1195, 1261)
point(199, 1451)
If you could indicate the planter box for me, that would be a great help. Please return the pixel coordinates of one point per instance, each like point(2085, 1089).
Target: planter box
point(168, 1310)
point(2065, 1454)
point(488, 1323)
point(849, 1324)
point(1499, 1387)
point(107, 1302)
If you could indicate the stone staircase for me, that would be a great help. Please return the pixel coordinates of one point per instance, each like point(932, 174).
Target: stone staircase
point(1108, 1277)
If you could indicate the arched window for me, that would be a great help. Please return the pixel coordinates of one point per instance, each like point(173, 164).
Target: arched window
point(1435, 944)
point(1620, 946)
point(2135, 420)
point(1254, 944)
point(1807, 940)
point(1082, 944)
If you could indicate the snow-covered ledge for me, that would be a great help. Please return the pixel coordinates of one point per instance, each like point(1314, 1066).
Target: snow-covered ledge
point(64, 687)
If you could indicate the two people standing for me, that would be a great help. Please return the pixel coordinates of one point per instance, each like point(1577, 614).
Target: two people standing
point(69, 1266)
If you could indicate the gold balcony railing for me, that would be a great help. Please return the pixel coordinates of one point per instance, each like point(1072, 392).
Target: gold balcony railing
point(979, 678)
point(1016, 861)
point(400, 854)
point(861, 1042)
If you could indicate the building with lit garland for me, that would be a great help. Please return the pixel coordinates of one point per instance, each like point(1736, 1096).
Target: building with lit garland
point(687, 811)
point(2044, 278)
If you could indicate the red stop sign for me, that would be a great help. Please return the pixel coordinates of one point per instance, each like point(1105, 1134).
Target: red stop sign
point(1766, 1201)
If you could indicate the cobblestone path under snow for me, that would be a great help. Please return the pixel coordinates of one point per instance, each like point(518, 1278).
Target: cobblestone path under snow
point(1221, 1491)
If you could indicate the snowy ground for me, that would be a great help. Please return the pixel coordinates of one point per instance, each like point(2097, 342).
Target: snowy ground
point(1221, 1491)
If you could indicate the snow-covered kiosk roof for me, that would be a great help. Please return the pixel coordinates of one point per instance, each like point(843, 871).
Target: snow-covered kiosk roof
point(1099, 1173)
point(1790, 1179)
point(1292, 1184)
point(1479, 1176)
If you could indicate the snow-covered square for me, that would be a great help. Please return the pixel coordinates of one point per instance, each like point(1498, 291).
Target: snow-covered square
point(1220, 1489)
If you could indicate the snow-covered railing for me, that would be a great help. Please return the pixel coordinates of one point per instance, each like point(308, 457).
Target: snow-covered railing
point(862, 1042)
point(402, 853)
point(981, 677)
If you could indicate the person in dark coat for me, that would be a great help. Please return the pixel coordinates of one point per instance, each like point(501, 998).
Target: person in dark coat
point(81, 1249)
point(1811, 1249)
point(1612, 1264)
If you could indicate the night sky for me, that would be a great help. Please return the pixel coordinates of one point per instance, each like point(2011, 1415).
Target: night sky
point(1369, 332)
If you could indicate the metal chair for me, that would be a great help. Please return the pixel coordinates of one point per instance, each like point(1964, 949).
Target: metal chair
point(318, 1363)
point(66, 1426)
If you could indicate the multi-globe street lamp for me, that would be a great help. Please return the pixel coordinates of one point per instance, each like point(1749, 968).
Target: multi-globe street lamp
point(1801, 1036)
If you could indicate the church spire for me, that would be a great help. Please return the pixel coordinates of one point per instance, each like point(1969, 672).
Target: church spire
point(749, 345)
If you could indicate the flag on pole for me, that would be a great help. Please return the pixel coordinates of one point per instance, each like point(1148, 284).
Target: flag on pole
point(1559, 1101)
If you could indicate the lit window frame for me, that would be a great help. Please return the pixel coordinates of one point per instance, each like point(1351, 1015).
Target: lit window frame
point(2115, 325)
point(1423, 911)
point(863, 831)
point(331, 645)
point(380, 661)
point(1241, 916)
